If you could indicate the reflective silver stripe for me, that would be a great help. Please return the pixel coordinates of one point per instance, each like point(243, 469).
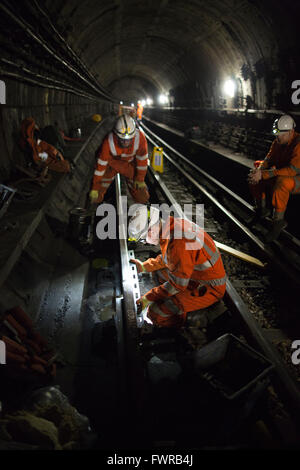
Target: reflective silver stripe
point(208, 264)
point(165, 259)
point(111, 143)
point(173, 307)
point(297, 185)
point(203, 266)
point(171, 289)
point(141, 167)
point(136, 141)
point(99, 173)
point(107, 179)
point(124, 155)
point(207, 248)
point(105, 185)
point(271, 173)
point(211, 282)
point(102, 162)
point(297, 170)
point(155, 308)
point(161, 274)
point(142, 158)
point(178, 280)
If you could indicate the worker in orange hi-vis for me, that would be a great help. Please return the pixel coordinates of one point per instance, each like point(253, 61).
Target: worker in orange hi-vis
point(43, 154)
point(189, 267)
point(139, 111)
point(278, 173)
point(124, 151)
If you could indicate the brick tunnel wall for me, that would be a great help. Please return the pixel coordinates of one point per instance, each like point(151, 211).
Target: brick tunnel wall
point(46, 106)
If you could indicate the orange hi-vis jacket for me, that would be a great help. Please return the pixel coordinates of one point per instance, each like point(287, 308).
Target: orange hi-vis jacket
point(139, 111)
point(187, 268)
point(285, 159)
point(55, 161)
point(110, 150)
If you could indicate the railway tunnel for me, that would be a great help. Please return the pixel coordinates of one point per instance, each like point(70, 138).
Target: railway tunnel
point(213, 76)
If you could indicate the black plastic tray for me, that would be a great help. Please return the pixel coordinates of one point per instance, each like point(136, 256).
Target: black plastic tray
point(231, 366)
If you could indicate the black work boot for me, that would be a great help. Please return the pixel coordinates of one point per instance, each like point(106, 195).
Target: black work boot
point(277, 226)
point(260, 214)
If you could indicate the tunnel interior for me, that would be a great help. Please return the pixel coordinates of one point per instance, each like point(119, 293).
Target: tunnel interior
point(216, 64)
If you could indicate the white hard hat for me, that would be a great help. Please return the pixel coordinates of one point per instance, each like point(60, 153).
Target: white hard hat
point(142, 222)
point(125, 127)
point(283, 124)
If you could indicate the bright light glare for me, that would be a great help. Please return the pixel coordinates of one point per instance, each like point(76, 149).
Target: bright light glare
point(163, 99)
point(132, 105)
point(121, 102)
point(143, 102)
point(149, 101)
point(229, 88)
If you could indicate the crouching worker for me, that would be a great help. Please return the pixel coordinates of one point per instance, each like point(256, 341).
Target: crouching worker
point(189, 268)
point(124, 151)
point(43, 154)
point(278, 174)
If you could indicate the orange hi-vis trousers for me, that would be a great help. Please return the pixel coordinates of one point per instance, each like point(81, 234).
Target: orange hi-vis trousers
point(280, 187)
point(141, 196)
point(172, 311)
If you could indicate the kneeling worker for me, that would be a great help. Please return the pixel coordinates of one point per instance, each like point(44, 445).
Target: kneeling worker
point(189, 268)
point(279, 174)
point(124, 151)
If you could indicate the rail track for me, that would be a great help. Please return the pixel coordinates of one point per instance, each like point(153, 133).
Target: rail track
point(159, 362)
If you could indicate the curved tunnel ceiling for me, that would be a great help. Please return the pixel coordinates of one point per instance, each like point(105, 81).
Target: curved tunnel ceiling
point(137, 47)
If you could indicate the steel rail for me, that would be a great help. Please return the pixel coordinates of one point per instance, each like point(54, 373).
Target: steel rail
point(288, 236)
point(137, 391)
point(207, 176)
point(286, 384)
point(291, 273)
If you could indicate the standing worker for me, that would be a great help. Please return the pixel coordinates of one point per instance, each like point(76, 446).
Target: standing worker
point(124, 151)
point(139, 111)
point(279, 174)
point(190, 268)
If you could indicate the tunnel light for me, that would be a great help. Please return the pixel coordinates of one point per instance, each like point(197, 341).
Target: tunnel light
point(121, 102)
point(143, 102)
point(132, 105)
point(149, 101)
point(229, 88)
point(163, 99)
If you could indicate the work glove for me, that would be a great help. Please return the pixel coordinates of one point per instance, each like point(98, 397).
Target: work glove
point(142, 303)
point(94, 196)
point(139, 265)
point(139, 184)
point(255, 176)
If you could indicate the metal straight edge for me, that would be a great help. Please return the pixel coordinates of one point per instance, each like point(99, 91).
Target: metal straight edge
point(122, 363)
point(136, 380)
